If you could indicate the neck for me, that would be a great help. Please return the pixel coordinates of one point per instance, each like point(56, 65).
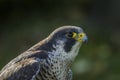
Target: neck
point(63, 56)
point(45, 45)
point(56, 49)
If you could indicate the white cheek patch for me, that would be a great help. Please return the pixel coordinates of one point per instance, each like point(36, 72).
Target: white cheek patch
point(74, 51)
point(60, 52)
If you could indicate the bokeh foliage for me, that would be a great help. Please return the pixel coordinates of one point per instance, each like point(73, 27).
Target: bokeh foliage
point(23, 23)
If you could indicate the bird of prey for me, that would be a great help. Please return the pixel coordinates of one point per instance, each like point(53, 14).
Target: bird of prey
point(50, 59)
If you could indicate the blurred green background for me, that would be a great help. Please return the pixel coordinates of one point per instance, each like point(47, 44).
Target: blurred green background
point(23, 23)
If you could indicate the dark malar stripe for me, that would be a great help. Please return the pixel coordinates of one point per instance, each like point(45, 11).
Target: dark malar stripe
point(69, 44)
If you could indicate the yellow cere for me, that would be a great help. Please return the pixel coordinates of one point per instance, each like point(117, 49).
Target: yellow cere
point(79, 37)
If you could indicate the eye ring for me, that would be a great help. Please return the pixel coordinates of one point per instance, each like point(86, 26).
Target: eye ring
point(71, 34)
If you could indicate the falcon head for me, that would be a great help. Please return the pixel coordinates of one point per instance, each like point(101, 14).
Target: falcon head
point(64, 41)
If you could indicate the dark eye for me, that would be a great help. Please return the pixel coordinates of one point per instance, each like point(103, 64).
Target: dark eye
point(69, 34)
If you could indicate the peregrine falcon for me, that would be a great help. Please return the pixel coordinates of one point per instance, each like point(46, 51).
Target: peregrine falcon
point(50, 59)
